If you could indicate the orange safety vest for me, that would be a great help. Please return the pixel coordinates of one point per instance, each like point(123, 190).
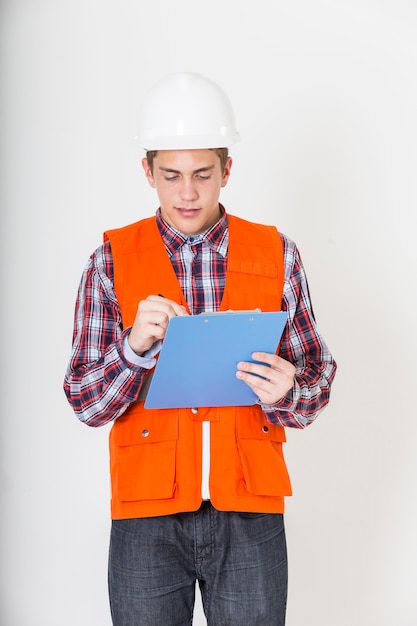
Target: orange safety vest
point(156, 455)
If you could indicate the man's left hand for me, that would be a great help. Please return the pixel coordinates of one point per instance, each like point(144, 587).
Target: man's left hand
point(277, 376)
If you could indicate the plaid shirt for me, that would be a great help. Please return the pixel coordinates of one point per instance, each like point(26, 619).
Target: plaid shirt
point(199, 262)
point(101, 382)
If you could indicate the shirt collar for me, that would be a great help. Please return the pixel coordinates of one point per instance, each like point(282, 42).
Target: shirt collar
point(216, 236)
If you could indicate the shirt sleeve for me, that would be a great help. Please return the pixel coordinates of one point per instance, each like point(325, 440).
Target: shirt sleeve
point(101, 381)
point(302, 345)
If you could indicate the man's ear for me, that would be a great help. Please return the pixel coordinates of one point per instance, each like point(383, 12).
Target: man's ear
point(226, 171)
point(148, 172)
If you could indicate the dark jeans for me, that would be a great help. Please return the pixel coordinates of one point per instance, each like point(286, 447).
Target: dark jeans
point(239, 560)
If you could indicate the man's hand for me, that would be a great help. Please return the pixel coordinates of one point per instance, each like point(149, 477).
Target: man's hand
point(151, 322)
point(277, 376)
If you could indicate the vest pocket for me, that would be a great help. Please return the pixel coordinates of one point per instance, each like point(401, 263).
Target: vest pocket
point(263, 468)
point(144, 458)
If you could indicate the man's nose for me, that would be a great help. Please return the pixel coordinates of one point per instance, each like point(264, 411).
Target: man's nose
point(188, 190)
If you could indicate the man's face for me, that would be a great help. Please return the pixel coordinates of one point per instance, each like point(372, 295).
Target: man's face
point(188, 184)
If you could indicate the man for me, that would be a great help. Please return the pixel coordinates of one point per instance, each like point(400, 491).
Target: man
point(197, 493)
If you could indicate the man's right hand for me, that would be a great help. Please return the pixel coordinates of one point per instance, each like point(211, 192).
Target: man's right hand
point(151, 322)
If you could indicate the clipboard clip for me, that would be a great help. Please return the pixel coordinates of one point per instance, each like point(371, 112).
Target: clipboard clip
point(230, 311)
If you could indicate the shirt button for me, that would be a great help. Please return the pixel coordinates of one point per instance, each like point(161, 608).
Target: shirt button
point(265, 429)
point(145, 433)
point(194, 410)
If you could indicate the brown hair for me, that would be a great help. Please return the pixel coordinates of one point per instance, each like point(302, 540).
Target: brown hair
point(222, 153)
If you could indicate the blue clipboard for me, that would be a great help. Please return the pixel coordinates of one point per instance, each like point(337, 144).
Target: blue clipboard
point(197, 363)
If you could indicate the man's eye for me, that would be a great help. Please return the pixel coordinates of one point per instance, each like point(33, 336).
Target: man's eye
point(203, 177)
point(169, 178)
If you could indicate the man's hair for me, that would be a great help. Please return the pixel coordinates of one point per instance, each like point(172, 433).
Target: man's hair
point(222, 153)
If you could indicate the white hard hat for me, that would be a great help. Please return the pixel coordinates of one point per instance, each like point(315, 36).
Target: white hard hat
point(186, 111)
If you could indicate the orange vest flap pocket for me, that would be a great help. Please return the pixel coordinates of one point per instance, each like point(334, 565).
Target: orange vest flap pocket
point(253, 267)
point(252, 425)
point(142, 426)
point(143, 454)
point(264, 469)
point(153, 475)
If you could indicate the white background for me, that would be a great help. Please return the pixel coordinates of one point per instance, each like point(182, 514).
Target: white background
point(325, 98)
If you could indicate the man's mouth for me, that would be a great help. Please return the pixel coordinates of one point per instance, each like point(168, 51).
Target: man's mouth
point(187, 210)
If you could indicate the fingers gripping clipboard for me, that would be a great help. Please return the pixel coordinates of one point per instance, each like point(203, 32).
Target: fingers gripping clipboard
point(199, 355)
